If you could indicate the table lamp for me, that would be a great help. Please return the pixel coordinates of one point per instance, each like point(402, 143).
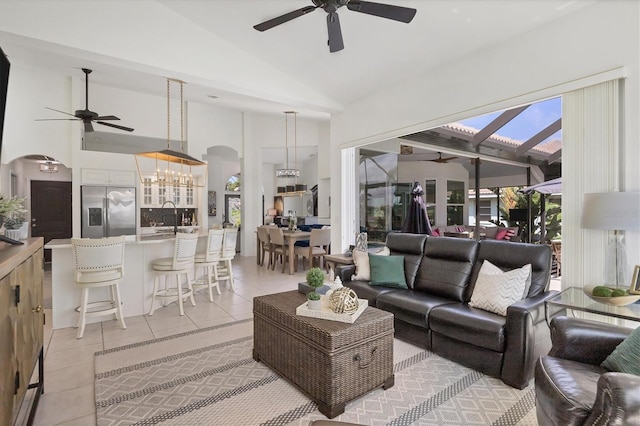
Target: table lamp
point(617, 211)
point(273, 213)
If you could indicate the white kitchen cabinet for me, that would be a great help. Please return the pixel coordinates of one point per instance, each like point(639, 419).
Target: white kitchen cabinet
point(155, 194)
point(108, 177)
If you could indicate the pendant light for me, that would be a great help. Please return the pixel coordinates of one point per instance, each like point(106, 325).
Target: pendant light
point(287, 173)
point(291, 173)
point(170, 167)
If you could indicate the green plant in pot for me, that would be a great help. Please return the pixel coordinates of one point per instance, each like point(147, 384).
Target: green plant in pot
point(315, 279)
point(11, 208)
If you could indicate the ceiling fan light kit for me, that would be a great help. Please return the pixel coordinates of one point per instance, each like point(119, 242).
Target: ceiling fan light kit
point(87, 116)
point(388, 11)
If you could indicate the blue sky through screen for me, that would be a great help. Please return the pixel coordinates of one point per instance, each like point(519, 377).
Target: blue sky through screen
point(531, 121)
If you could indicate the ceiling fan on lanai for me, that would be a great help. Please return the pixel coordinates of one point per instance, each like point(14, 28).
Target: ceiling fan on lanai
point(396, 13)
point(441, 159)
point(86, 115)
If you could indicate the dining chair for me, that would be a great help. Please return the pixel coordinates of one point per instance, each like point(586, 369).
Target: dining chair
point(98, 263)
point(229, 242)
point(265, 244)
point(182, 261)
point(319, 241)
point(278, 247)
point(208, 260)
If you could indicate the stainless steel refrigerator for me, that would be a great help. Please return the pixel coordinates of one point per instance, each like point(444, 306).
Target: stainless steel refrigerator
point(108, 211)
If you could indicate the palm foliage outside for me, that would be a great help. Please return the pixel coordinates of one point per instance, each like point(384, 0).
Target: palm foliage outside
point(510, 198)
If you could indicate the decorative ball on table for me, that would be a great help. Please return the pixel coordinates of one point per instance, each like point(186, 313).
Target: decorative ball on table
point(344, 300)
point(315, 279)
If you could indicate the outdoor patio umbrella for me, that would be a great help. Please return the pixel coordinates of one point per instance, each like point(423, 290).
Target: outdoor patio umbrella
point(553, 186)
point(417, 221)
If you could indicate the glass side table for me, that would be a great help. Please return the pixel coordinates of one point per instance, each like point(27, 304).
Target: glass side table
point(574, 298)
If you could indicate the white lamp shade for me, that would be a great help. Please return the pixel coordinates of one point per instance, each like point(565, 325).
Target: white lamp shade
point(611, 210)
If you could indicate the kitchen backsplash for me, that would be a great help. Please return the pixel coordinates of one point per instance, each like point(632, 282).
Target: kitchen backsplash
point(164, 217)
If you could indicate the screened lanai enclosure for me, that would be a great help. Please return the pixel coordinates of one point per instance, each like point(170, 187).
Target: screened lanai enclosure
point(470, 172)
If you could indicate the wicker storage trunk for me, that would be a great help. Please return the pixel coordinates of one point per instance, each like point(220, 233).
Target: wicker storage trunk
point(332, 362)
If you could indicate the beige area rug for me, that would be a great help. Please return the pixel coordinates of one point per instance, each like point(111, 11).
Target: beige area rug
point(208, 377)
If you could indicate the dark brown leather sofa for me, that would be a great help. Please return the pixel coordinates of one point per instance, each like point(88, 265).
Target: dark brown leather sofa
point(573, 389)
point(441, 273)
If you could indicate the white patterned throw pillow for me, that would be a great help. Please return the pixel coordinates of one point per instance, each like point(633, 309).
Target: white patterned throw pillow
point(494, 292)
point(361, 260)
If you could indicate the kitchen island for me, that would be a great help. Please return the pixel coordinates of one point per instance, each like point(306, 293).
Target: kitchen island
point(135, 288)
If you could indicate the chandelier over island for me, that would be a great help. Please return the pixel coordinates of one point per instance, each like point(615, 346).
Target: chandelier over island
point(169, 167)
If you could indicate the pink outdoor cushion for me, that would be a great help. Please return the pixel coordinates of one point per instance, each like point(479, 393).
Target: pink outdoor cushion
point(501, 234)
point(435, 232)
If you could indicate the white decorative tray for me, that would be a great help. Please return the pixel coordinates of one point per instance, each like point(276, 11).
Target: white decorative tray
point(328, 314)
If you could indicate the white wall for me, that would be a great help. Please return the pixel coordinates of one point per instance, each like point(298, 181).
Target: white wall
point(539, 64)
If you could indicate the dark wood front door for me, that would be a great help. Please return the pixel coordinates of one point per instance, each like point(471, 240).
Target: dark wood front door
point(50, 211)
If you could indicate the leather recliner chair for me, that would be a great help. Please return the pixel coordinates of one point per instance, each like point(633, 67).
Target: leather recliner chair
point(571, 386)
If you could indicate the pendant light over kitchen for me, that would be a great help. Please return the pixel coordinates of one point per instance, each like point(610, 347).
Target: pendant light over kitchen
point(170, 167)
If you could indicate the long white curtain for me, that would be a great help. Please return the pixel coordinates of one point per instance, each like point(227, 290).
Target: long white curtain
point(590, 163)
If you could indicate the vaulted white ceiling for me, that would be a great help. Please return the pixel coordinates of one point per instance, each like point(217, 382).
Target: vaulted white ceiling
point(213, 47)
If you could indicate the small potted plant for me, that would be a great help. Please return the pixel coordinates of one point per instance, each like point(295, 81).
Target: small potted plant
point(10, 209)
point(315, 279)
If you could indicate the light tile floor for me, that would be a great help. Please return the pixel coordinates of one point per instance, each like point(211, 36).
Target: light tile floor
point(69, 370)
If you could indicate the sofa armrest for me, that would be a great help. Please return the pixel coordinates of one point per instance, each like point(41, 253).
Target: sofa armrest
point(527, 337)
point(584, 341)
point(617, 400)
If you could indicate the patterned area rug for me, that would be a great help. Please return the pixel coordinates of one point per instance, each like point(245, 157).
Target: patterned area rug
point(208, 376)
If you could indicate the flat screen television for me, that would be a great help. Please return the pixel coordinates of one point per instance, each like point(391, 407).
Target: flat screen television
point(4, 84)
point(517, 215)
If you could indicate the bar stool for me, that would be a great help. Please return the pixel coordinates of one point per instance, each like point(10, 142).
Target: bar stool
point(208, 260)
point(225, 273)
point(99, 263)
point(181, 263)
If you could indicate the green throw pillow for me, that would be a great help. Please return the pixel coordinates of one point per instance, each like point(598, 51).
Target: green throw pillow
point(625, 358)
point(387, 271)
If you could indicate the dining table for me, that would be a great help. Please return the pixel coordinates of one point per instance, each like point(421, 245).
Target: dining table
point(290, 238)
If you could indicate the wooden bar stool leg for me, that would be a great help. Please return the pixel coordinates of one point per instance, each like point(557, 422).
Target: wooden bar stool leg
point(116, 298)
point(216, 277)
point(83, 312)
point(190, 288)
point(179, 292)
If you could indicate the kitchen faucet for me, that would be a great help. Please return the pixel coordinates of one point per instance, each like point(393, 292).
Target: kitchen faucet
point(175, 215)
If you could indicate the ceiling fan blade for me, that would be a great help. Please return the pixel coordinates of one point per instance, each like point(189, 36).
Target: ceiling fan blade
point(56, 119)
point(284, 18)
point(57, 110)
point(397, 13)
point(126, 129)
point(107, 117)
point(88, 127)
point(335, 33)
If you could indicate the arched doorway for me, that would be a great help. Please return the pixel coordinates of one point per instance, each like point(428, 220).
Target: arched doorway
point(45, 184)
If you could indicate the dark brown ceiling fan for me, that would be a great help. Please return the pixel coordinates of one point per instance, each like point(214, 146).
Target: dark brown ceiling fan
point(440, 159)
point(86, 115)
point(396, 13)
